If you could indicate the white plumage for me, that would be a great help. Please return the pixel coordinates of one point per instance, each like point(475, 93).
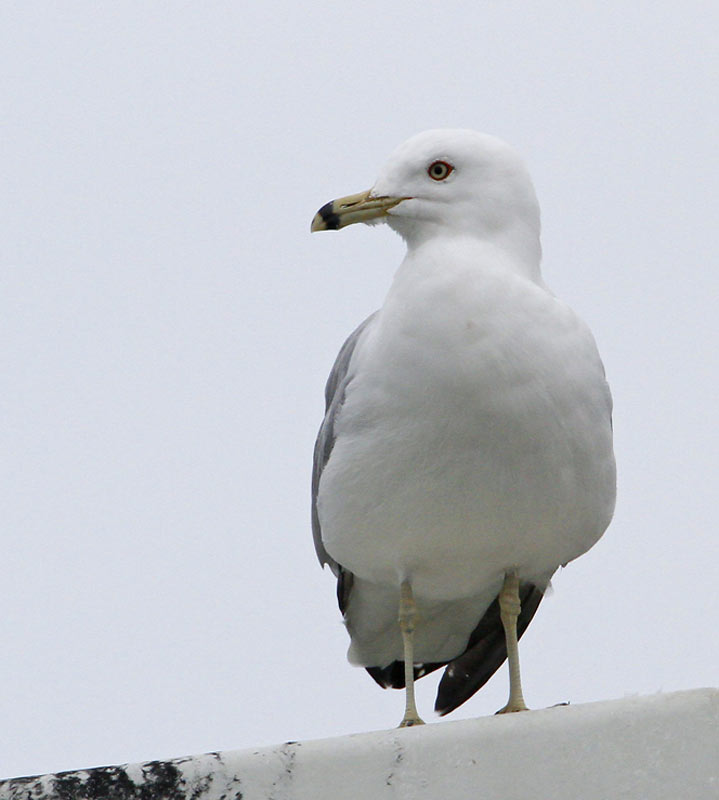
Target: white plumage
point(468, 432)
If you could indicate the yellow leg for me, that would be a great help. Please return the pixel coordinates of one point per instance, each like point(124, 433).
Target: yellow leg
point(509, 608)
point(407, 618)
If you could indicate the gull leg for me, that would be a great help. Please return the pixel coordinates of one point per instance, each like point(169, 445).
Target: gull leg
point(407, 618)
point(509, 608)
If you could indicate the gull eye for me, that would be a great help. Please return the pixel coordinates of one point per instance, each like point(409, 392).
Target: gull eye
point(439, 170)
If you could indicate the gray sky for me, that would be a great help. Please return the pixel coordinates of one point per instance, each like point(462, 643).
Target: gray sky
point(167, 324)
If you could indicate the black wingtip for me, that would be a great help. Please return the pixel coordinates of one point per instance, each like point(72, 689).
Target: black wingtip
point(392, 676)
point(485, 653)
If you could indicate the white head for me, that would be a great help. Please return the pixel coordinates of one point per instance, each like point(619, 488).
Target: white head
point(449, 182)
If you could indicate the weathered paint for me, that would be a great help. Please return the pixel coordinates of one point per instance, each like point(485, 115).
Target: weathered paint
point(662, 747)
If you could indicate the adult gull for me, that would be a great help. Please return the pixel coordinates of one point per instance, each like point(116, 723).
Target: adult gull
point(466, 449)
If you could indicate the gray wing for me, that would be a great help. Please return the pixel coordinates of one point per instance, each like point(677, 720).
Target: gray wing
point(334, 397)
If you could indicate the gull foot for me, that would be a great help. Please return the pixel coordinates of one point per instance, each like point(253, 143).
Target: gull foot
point(410, 722)
point(510, 708)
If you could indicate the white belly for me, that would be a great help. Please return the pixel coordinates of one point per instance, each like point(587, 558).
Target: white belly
point(467, 448)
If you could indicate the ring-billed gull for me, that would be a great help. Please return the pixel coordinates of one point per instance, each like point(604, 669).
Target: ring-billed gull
point(466, 449)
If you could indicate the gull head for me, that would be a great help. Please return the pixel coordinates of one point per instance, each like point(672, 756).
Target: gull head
point(446, 182)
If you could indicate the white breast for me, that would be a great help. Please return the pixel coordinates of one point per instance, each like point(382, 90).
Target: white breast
point(474, 437)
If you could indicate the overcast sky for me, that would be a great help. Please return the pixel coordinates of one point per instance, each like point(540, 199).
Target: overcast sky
point(167, 323)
